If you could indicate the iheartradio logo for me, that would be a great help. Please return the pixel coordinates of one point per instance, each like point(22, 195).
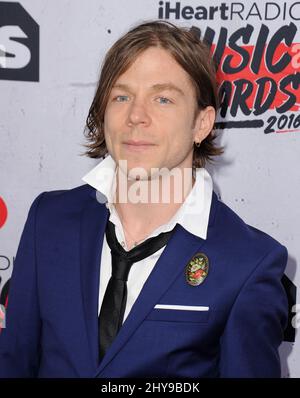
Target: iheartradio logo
point(3, 212)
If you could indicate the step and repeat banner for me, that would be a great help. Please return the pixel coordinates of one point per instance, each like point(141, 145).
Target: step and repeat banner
point(50, 57)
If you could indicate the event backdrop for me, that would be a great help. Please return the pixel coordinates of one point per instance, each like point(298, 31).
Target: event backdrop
point(50, 55)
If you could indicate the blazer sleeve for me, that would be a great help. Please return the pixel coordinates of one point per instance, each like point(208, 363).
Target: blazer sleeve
point(19, 340)
point(255, 327)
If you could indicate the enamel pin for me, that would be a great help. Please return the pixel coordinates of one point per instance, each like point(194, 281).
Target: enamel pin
point(197, 269)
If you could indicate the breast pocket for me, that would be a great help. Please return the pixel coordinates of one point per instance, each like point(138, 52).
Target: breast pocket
point(178, 313)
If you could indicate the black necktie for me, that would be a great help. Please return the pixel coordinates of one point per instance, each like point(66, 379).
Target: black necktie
point(114, 301)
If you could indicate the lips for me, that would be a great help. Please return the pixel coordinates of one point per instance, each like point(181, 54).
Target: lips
point(137, 143)
point(137, 146)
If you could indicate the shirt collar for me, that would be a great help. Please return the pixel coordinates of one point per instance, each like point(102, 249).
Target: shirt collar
point(193, 215)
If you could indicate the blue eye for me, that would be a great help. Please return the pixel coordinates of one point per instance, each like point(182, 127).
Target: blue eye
point(121, 98)
point(164, 100)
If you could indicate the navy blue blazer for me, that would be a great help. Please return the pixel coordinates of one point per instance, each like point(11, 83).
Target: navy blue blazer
point(51, 324)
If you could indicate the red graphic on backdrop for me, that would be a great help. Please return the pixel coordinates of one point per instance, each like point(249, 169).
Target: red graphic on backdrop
point(257, 73)
point(270, 84)
point(3, 212)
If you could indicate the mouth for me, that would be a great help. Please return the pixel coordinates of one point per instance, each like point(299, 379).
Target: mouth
point(137, 145)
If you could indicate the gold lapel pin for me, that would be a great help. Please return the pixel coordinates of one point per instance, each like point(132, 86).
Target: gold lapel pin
point(197, 269)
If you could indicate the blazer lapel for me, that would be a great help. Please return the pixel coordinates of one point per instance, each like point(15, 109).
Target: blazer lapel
point(93, 223)
point(158, 282)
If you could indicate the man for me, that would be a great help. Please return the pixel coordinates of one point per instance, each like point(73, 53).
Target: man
point(143, 272)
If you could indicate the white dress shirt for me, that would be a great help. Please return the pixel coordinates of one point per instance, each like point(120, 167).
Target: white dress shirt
point(193, 215)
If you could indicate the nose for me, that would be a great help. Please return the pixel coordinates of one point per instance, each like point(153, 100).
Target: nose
point(138, 113)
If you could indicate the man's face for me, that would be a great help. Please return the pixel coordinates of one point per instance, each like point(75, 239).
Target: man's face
point(149, 118)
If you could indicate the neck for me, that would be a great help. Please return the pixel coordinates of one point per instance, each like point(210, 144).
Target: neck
point(143, 205)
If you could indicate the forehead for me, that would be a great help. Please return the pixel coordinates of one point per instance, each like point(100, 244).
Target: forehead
point(156, 65)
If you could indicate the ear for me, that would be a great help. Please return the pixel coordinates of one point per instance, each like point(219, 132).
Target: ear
point(204, 123)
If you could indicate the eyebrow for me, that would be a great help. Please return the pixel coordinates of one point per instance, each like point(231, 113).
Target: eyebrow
point(155, 87)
